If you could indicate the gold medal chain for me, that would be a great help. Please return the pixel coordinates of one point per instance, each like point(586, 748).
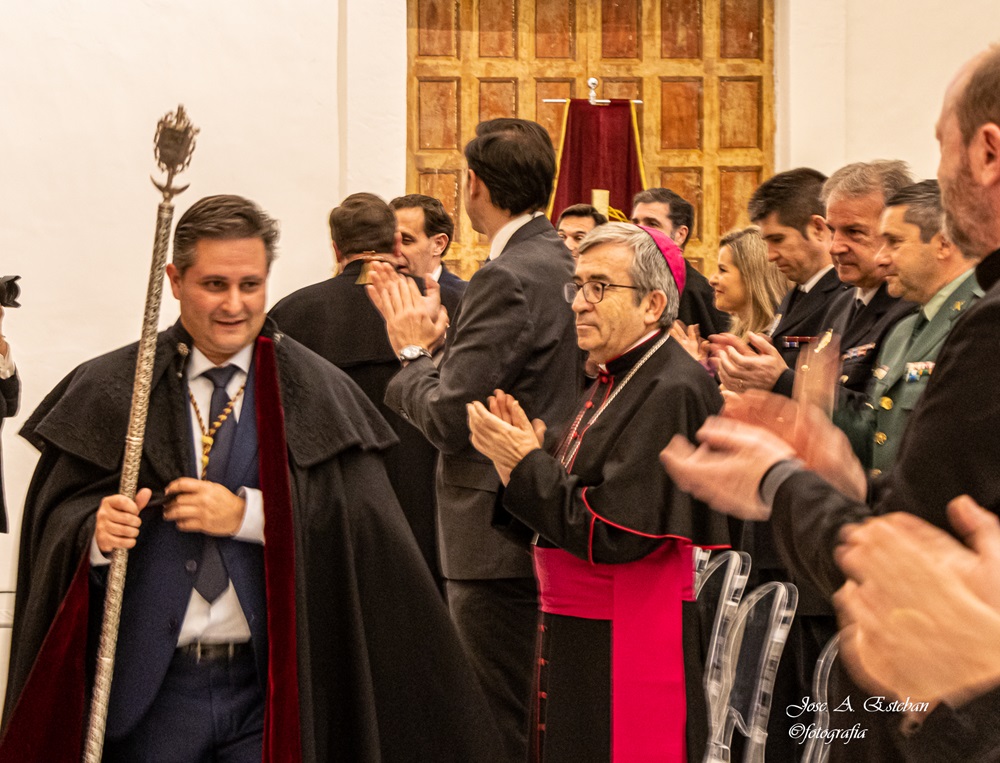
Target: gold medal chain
point(208, 435)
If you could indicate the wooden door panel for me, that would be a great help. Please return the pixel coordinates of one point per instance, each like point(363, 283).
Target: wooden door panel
point(444, 185)
point(550, 115)
point(439, 113)
point(621, 29)
point(555, 29)
point(703, 68)
point(498, 29)
point(681, 111)
point(623, 87)
point(497, 98)
point(740, 103)
point(741, 29)
point(736, 185)
point(688, 183)
point(680, 29)
point(437, 31)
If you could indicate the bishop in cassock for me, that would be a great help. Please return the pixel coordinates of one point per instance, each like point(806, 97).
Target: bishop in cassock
point(618, 662)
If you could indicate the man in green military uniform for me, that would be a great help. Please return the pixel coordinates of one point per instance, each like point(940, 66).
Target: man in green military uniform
point(925, 267)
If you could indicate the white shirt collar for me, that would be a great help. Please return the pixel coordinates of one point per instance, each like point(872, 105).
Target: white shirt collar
point(198, 363)
point(805, 287)
point(865, 295)
point(504, 235)
point(436, 273)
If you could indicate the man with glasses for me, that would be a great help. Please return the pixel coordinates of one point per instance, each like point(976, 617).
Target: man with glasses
point(612, 535)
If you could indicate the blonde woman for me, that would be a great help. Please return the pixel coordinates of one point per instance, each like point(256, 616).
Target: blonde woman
point(746, 286)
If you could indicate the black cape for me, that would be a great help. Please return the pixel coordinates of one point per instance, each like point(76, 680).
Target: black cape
point(336, 320)
point(382, 676)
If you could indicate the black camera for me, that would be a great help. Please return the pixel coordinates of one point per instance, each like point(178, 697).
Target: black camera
point(10, 291)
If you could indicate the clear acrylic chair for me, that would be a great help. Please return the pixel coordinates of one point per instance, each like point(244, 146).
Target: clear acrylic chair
point(750, 664)
point(701, 557)
point(816, 750)
point(718, 590)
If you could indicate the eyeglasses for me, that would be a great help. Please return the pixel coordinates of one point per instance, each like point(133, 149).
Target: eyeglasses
point(593, 291)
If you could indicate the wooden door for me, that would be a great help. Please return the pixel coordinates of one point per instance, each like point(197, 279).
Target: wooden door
point(703, 69)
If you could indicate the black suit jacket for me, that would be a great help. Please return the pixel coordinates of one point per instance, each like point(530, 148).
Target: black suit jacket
point(335, 319)
point(452, 289)
point(513, 331)
point(698, 304)
point(949, 448)
point(10, 399)
point(861, 338)
point(802, 314)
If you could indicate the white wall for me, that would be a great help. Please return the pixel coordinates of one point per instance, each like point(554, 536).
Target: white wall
point(859, 80)
point(374, 97)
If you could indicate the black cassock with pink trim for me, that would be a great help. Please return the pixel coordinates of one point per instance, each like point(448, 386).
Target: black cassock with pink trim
point(613, 558)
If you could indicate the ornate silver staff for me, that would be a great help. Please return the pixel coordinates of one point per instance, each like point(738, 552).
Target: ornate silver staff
point(174, 142)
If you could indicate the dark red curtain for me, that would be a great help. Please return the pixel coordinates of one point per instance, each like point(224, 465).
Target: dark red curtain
point(600, 150)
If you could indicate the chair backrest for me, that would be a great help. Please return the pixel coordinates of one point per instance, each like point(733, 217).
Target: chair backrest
point(817, 751)
point(718, 591)
point(701, 557)
point(750, 665)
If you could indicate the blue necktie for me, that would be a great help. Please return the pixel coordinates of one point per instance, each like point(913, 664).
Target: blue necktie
point(212, 579)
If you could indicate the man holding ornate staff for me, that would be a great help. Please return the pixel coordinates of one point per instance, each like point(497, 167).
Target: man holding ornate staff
point(276, 605)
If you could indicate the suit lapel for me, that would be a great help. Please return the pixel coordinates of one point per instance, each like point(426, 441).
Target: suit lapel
point(806, 305)
point(867, 318)
point(531, 228)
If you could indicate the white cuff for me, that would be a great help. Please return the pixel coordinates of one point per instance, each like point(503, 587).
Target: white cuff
point(97, 557)
point(775, 477)
point(252, 529)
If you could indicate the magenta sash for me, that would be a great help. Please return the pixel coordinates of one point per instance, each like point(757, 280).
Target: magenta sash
point(642, 599)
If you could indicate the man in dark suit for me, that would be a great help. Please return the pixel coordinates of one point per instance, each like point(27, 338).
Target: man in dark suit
point(513, 331)
point(335, 319)
point(577, 221)
point(792, 221)
point(951, 441)
point(926, 268)
point(427, 231)
point(854, 197)
point(665, 210)
point(10, 399)
point(790, 213)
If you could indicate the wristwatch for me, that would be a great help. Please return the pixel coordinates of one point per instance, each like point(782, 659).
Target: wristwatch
point(411, 352)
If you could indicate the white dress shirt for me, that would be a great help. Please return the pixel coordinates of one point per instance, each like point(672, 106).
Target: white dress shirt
point(223, 620)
